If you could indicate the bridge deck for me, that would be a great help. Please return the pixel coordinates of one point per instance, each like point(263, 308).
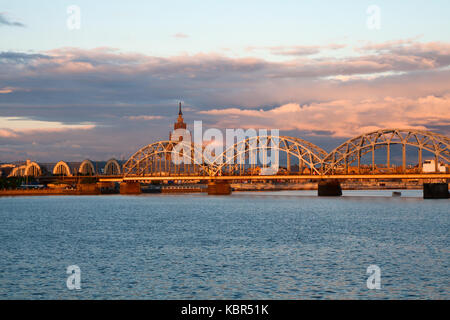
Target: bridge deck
point(279, 177)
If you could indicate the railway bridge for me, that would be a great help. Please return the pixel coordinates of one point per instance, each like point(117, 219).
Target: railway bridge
point(367, 156)
point(380, 155)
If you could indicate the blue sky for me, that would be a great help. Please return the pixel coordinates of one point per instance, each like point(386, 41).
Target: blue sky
point(312, 69)
point(149, 26)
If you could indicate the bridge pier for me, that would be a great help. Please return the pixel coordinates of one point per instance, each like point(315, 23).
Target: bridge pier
point(329, 188)
point(219, 188)
point(88, 189)
point(130, 188)
point(435, 191)
point(107, 187)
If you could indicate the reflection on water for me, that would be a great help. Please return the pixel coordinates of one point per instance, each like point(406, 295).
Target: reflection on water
point(252, 245)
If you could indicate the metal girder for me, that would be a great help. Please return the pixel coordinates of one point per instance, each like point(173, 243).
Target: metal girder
point(112, 167)
point(352, 150)
point(306, 152)
point(154, 159)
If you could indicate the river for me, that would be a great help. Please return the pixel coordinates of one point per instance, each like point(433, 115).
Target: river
point(250, 245)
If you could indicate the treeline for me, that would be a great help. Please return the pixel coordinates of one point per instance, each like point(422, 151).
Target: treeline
point(14, 182)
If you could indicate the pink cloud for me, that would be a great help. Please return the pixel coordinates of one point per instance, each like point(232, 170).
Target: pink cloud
point(180, 35)
point(6, 90)
point(388, 57)
point(402, 84)
point(344, 118)
point(299, 50)
point(143, 117)
point(5, 133)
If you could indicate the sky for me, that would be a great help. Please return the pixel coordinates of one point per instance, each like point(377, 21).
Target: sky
point(106, 82)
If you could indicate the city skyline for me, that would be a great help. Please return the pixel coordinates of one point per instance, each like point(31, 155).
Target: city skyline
point(224, 158)
point(113, 85)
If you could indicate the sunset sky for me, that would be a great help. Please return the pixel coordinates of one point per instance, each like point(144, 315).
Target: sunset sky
point(313, 69)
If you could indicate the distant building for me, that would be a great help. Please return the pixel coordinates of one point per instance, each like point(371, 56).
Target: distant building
point(179, 124)
point(429, 166)
point(29, 168)
point(62, 169)
point(5, 169)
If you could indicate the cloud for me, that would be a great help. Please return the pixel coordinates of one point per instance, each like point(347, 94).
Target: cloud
point(108, 76)
point(5, 21)
point(342, 118)
point(403, 83)
point(21, 58)
point(20, 124)
point(5, 133)
point(180, 35)
point(6, 90)
point(298, 50)
point(143, 117)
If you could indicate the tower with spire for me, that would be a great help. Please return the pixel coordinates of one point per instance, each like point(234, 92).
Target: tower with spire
point(180, 122)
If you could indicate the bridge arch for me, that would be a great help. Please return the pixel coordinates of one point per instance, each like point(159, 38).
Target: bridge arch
point(29, 169)
point(156, 160)
point(351, 151)
point(86, 168)
point(112, 168)
point(16, 172)
point(308, 156)
point(62, 168)
point(33, 170)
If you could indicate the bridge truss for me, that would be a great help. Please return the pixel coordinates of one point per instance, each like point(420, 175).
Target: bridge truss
point(352, 151)
point(156, 159)
point(249, 157)
point(255, 155)
point(295, 156)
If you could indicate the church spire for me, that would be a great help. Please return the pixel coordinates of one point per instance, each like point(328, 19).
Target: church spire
point(179, 112)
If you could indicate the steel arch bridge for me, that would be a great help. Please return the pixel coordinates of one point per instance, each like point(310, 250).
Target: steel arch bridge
point(156, 159)
point(351, 151)
point(232, 161)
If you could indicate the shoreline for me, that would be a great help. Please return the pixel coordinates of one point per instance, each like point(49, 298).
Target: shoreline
point(236, 188)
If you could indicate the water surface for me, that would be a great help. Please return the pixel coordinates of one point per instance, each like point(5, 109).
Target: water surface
point(250, 245)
